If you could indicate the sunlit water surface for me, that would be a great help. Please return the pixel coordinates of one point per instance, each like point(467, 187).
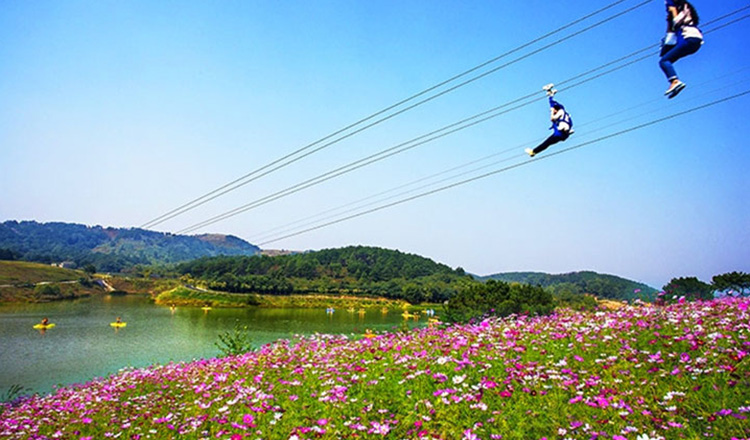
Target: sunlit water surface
point(83, 345)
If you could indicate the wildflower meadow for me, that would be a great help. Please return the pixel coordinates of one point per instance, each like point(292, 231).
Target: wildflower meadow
point(679, 371)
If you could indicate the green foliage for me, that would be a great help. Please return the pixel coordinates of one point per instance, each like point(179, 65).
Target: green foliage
point(13, 393)
point(497, 298)
point(47, 290)
point(85, 282)
point(600, 285)
point(689, 287)
point(355, 270)
point(236, 341)
point(7, 254)
point(738, 282)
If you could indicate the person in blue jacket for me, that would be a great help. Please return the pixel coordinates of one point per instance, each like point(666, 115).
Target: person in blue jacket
point(562, 123)
point(686, 39)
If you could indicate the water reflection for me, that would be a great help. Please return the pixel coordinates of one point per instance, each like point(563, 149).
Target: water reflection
point(83, 344)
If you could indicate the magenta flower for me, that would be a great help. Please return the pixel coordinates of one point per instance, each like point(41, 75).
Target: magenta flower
point(248, 420)
point(469, 435)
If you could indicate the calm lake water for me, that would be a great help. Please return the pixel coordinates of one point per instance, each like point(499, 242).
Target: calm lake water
point(83, 346)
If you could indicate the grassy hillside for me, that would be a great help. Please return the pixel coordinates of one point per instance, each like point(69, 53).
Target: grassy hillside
point(34, 282)
point(19, 272)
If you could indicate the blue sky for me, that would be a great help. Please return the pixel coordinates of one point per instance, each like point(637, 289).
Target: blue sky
point(115, 113)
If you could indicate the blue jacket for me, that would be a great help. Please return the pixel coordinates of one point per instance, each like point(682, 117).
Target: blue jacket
point(565, 117)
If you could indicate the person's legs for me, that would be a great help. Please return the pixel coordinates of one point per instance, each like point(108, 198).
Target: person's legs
point(665, 48)
point(682, 49)
point(552, 140)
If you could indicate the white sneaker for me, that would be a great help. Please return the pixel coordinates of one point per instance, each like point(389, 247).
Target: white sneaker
point(675, 89)
point(530, 152)
point(548, 87)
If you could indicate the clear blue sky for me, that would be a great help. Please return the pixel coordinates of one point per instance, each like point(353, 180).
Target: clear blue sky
point(114, 113)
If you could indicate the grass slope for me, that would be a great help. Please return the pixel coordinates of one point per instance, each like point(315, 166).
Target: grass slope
point(22, 281)
point(18, 272)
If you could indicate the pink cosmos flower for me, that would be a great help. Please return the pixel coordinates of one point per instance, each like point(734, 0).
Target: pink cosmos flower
point(468, 435)
point(248, 420)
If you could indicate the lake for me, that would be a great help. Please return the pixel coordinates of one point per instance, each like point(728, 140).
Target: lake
point(83, 345)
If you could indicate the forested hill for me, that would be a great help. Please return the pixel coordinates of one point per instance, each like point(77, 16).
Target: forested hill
point(601, 285)
point(110, 249)
point(354, 269)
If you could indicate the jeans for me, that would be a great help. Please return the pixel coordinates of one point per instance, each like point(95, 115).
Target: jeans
point(557, 136)
point(683, 48)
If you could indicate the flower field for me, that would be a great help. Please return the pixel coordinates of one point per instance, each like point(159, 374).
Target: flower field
point(680, 371)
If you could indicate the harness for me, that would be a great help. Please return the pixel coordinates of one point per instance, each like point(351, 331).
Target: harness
point(566, 118)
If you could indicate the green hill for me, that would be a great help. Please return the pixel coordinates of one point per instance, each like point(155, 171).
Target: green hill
point(600, 285)
point(110, 249)
point(350, 270)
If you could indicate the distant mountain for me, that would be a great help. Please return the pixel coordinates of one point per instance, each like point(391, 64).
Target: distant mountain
point(601, 285)
point(111, 249)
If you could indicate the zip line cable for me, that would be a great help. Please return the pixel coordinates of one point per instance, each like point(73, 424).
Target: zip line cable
point(447, 130)
point(188, 206)
point(309, 220)
point(405, 146)
point(510, 167)
point(400, 148)
point(421, 140)
point(237, 183)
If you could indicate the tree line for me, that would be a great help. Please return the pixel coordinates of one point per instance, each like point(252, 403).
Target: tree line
point(353, 270)
point(691, 288)
point(584, 282)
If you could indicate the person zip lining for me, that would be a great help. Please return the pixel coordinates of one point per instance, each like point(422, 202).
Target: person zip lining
point(562, 123)
point(683, 38)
